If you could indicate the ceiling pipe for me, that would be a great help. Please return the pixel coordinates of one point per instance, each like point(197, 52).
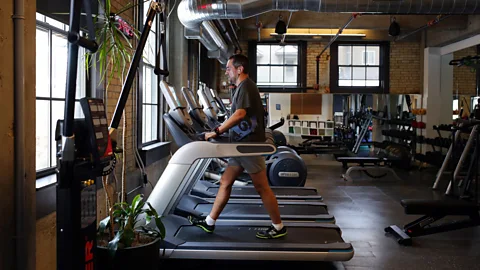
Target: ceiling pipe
point(429, 23)
point(230, 38)
point(192, 13)
point(223, 30)
point(210, 37)
point(222, 51)
point(234, 27)
point(354, 16)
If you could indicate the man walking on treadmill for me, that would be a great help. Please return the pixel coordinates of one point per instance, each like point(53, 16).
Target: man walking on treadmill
point(246, 105)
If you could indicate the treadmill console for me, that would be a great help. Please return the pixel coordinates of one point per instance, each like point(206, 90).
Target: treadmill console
point(97, 128)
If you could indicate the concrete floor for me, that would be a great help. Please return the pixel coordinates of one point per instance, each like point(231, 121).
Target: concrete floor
point(362, 210)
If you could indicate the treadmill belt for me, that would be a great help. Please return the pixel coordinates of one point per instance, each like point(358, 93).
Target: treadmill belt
point(303, 236)
point(280, 191)
point(259, 209)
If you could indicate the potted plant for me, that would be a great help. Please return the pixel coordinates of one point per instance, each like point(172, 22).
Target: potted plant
point(124, 244)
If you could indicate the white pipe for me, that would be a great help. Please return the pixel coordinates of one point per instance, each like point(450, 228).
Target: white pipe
point(19, 89)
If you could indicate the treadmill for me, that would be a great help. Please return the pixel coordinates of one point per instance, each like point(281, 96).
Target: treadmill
point(190, 204)
point(234, 239)
point(252, 209)
point(205, 189)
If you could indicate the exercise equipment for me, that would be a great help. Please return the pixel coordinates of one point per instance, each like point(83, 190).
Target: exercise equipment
point(279, 138)
point(210, 107)
point(374, 167)
point(84, 145)
point(465, 202)
point(232, 239)
point(84, 153)
point(283, 168)
point(79, 164)
point(286, 168)
point(290, 210)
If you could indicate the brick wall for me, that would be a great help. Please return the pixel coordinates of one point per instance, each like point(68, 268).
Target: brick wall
point(464, 80)
point(314, 49)
point(405, 68)
point(112, 93)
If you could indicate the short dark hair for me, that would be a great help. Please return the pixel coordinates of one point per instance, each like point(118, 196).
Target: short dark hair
point(240, 60)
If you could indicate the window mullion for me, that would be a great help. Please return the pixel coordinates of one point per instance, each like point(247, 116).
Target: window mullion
point(283, 68)
point(366, 62)
point(270, 65)
point(50, 102)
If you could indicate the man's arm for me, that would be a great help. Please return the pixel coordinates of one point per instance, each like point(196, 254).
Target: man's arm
point(233, 120)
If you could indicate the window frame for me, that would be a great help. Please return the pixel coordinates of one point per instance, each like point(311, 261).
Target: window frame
point(301, 67)
point(53, 30)
point(161, 135)
point(384, 68)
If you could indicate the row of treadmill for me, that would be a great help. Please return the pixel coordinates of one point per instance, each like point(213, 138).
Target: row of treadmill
point(182, 191)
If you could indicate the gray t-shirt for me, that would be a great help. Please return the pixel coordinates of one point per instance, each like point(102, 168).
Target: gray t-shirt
point(247, 97)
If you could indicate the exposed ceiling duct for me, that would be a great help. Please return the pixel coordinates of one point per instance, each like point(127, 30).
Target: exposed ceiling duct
point(193, 13)
point(209, 35)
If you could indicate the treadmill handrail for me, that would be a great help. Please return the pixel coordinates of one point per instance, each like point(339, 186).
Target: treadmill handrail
point(191, 100)
point(178, 110)
point(194, 108)
point(188, 153)
point(207, 107)
point(211, 99)
point(172, 101)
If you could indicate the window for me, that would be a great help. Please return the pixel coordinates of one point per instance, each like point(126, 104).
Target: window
point(51, 66)
point(455, 108)
point(150, 128)
point(359, 67)
point(277, 65)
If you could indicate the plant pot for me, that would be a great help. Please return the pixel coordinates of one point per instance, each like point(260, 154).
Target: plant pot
point(139, 257)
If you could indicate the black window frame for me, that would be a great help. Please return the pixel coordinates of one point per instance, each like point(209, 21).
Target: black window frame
point(161, 134)
point(53, 30)
point(301, 67)
point(384, 66)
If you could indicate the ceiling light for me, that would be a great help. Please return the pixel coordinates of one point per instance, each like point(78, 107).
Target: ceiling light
point(281, 27)
point(319, 35)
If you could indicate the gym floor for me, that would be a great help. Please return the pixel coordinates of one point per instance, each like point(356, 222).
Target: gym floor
point(362, 210)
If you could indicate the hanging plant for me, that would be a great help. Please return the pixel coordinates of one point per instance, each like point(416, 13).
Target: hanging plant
point(115, 37)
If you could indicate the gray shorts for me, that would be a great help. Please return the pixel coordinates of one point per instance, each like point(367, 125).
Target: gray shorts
point(250, 164)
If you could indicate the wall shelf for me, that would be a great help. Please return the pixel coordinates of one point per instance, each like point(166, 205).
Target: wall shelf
point(311, 128)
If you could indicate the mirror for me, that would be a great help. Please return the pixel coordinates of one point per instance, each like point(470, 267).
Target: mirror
point(464, 85)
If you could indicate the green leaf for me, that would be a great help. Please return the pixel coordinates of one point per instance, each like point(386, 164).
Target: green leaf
point(103, 224)
point(160, 226)
point(139, 209)
point(136, 201)
point(152, 209)
point(128, 237)
point(149, 213)
point(113, 245)
point(118, 213)
point(148, 219)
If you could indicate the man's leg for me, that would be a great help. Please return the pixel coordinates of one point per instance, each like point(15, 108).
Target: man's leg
point(255, 166)
point(269, 200)
point(226, 182)
point(228, 178)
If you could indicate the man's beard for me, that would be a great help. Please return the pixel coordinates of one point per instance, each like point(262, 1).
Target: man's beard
point(232, 80)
